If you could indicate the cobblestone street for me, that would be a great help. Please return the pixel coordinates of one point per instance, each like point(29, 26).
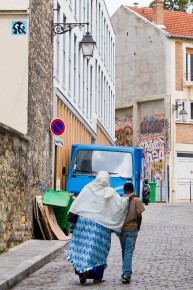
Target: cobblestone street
point(163, 258)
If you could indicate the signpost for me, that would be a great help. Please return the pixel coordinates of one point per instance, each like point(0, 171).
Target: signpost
point(57, 127)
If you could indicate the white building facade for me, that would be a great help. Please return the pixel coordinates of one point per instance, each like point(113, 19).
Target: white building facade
point(84, 94)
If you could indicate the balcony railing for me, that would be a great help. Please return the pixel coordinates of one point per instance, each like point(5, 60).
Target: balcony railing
point(188, 80)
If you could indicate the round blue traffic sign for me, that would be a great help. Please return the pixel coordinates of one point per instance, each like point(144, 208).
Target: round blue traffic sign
point(57, 127)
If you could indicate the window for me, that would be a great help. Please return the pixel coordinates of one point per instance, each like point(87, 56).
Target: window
point(189, 67)
point(87, 91)
point(104, 40)
point(113, 63)
point(64, 55)
point(75, 64)
point(104, 102)
point(84, 11)
point(83, 85)
point(75, 7)
point(79, 75)
point(101, 97)
point(102, 35)
point(91, 17)
point(111, 111)
point(96, 87)
point(58, 43)
point(91, 99)
point(117, 164)
point(185, 155)
point(99, 34)
point(191, 111)
point(80, 10)
point(69, 61)
point(99, 92)
point(96, 18)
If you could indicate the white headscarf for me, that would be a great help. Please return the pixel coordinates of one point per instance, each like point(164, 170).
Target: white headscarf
point(100, 203)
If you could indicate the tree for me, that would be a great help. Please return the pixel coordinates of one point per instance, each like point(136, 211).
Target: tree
point(177, 5)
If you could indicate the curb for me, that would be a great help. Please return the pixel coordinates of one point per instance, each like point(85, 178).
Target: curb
point(28, 267)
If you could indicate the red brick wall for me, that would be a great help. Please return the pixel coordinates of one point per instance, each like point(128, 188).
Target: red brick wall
point(184, 133)
point(179, 67)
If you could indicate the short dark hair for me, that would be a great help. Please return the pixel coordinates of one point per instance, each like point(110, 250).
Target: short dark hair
point(128, 186)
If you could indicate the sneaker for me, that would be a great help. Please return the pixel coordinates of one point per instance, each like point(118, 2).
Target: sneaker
point(125, 279)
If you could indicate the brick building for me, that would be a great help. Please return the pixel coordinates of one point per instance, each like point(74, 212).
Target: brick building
point(154, 82)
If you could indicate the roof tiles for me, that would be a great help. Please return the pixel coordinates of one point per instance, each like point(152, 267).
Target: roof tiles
point(176, 23)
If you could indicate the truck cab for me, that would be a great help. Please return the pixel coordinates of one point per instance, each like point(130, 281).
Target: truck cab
point(124, 164)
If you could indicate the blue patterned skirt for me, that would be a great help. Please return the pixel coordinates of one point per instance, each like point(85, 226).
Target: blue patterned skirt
point(89, 245)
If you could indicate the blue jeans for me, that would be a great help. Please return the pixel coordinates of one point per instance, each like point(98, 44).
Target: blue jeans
point(127, 240)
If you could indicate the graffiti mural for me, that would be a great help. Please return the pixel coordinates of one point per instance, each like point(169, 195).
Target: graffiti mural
point(152, 140)
point(123, 120)
point(154, 158)
point(123, 129)
point(124, 136)
point(151, 126)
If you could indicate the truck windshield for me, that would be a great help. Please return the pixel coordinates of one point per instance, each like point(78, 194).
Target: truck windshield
point(118, 164)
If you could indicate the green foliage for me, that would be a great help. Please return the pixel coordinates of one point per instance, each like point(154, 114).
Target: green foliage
point(177, 5)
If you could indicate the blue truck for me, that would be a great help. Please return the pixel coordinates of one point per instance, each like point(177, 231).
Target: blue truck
point(124, 164)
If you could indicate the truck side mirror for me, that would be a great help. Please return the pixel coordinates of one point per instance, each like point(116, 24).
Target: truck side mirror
point(63, 170)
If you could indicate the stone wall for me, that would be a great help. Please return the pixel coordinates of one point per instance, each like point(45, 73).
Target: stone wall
point(26, 161)
point(15, 205)
point(40, 94)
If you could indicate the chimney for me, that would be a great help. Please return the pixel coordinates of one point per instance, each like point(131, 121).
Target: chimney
point(158, 12)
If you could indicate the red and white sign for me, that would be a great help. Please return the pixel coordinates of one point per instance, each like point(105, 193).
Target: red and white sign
point(57, 127)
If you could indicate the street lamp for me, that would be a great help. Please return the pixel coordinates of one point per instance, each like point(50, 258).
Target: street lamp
point(183, 114)
point(87, 43)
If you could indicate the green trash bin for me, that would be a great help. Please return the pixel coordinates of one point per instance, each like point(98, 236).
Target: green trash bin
point(153, 191)
point(61, 202)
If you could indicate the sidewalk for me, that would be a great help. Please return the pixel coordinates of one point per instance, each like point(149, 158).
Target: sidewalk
point(26, 258)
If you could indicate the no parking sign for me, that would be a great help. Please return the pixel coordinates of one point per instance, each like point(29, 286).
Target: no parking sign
point(57, 127)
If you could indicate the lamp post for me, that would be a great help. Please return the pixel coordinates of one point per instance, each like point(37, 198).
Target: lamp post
point(87, 43)
point(183, 114)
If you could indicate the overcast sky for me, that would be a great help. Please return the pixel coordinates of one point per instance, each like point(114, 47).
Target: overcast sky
point(113, 5)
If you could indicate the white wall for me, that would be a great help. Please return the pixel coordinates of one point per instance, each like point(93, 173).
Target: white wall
point(14, 4)
point(13, 70)
point(140, 53)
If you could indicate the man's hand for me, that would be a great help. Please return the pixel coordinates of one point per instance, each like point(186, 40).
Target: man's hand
point(131, 195)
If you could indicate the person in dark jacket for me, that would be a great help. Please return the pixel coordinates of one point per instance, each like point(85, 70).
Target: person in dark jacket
point(146, 192)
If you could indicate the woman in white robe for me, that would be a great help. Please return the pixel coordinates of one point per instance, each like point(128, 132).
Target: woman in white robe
point(101, 210)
